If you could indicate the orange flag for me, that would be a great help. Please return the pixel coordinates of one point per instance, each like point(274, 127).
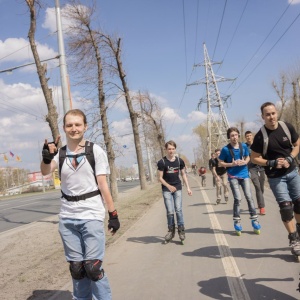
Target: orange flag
point(18, 158)
point(5, 158)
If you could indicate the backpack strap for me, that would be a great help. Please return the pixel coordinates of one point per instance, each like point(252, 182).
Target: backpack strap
point(62, 156)
point(89, 153)
point(229, 146)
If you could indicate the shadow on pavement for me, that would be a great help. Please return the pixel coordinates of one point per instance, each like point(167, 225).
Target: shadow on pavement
point(213, 252)
point(48, 294)
point(146, 239)
point(217, 288)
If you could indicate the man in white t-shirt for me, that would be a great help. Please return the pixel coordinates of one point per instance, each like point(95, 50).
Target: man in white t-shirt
point(82, 213)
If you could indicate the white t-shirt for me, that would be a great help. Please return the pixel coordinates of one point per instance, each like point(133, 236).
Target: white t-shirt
point(75, 182)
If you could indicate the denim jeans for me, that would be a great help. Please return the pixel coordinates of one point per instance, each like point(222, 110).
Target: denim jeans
point(173, 201)
point(245, 184)
point(85, 240)
point(258, 180)
point(287, 187)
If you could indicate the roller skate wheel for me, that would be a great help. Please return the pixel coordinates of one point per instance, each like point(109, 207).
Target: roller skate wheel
point(238, 233)
point(182, 242)
point(298, 258)
point(257, 231)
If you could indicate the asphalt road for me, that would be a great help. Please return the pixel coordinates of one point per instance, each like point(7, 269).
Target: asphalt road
point(214, 263)
point(22, 210)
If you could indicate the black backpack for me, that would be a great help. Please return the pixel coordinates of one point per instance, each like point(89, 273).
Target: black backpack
point(88, 153)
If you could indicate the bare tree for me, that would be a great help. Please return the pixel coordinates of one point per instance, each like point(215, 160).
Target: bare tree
point(115, 46)
point(153, 117)
point(52, 115)
point(203, 152)
point(281, 94)
point(86, 46)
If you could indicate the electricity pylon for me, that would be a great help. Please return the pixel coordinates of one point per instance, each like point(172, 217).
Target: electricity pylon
point(217, 122)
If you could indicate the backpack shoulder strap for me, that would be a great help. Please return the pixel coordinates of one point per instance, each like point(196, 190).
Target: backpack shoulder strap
point(266, 140)
point(286, 131)
point(89, 152)
point(241, 150)
point(230, 150)
point(62, 156)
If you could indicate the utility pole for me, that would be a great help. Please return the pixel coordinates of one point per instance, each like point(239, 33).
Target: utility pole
point(62, 61)
point(217, 122)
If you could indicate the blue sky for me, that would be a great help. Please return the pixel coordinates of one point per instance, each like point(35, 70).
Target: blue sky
point(162, 40)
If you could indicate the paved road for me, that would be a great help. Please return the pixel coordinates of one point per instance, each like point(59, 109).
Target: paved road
point(214, 263)
point(24, 209)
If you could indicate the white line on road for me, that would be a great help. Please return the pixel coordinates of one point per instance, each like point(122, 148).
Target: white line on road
point(235, 281)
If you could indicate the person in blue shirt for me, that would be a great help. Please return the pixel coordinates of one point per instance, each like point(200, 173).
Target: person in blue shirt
point(235, 157)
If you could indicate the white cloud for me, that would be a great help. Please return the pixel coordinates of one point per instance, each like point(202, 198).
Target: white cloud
point(18, 50)
point(294, 2)
point(169, 115)
point(197, 116)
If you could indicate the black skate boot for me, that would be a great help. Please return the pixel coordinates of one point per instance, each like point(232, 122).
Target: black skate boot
point(170, 235)
point(181, 233)
point(295, 244)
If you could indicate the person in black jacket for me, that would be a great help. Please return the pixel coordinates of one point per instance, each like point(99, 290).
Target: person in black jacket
point(210, 166)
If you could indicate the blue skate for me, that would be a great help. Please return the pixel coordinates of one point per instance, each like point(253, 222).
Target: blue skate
point(256, 226)
point(238, 227)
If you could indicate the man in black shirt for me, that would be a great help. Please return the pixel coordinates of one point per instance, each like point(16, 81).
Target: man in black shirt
point(275, 147)
point(169, 168)
point(210, 165)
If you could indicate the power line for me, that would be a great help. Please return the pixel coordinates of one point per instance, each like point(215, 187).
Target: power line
point(265, 39)
point(219, 29)
point(233, 36)
point(257, 65)
point(184, 33)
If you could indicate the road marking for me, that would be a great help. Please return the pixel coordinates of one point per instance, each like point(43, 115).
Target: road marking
point(13, 207)
point(235, 281)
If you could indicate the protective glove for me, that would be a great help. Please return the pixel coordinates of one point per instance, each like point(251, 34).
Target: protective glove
point(289, 159)
point(272, 163)
point(113, 222)
point(47, 156)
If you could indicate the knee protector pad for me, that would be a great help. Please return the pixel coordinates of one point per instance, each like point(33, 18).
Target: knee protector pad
point(93, 269)
point(297, 206)
point(77, 269)
point(286, 211)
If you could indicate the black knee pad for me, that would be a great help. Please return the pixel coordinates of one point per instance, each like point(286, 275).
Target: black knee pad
point(93, 269)
point(286, 211)
point(77, 269)
point(297, 206)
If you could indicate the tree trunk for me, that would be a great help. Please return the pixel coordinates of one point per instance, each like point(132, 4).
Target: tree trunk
point(52, 115)
point(132, 113)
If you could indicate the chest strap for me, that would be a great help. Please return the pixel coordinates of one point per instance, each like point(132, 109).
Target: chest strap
point(80, 197)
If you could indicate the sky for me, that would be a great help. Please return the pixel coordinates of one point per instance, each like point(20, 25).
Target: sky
point(162, 41)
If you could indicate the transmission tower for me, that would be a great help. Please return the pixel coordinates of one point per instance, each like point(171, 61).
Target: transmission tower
point(217, 122)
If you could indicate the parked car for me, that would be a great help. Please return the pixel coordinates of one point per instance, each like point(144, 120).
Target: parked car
point(128, 178)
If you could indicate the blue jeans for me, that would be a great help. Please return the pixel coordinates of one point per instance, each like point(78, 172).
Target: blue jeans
point(245, 184)
point(85, 240)
point(287, 187)
point(173, 201)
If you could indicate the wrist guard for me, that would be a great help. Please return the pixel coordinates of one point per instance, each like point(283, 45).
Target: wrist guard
point(47, 156)
point(272, 163)
point(289, 159)
point(113, 222)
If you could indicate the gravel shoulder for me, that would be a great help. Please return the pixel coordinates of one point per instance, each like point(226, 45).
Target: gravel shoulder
point(33, 265)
